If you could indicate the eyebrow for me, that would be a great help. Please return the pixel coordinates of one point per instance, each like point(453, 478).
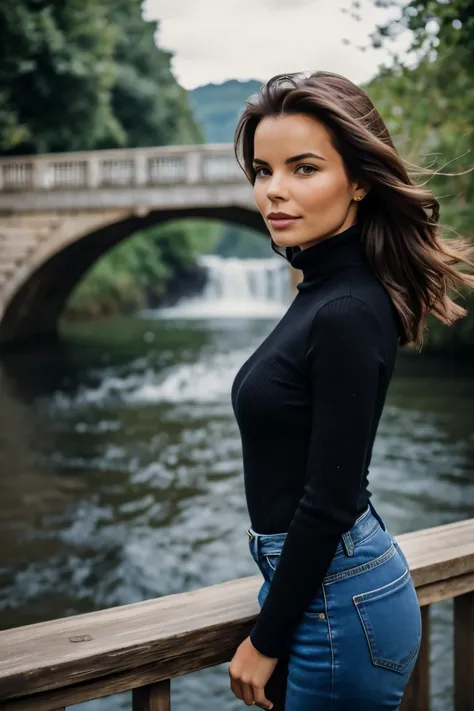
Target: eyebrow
point(293, 159)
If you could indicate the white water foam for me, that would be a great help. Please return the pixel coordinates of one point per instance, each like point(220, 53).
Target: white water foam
point(207, 381)
point(235, 288)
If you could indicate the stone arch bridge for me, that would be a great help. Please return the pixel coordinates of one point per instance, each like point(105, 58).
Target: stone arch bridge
point(60, 212)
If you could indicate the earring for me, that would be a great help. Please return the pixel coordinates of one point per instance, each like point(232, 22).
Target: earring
point(358, 197)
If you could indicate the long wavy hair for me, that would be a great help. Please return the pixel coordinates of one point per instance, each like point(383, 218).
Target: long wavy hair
point(398, 218)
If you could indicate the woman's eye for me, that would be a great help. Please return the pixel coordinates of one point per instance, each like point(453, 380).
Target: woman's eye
point(309, 169)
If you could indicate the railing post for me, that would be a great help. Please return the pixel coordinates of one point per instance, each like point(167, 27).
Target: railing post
point(140, 169)
point(417, 692)
point(40, 177)
point(155, 697)
point(193, 167)
point(93, 172)
point(464, 652)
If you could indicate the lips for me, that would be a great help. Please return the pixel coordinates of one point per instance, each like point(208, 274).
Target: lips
point(280, 215)
point(281, 220)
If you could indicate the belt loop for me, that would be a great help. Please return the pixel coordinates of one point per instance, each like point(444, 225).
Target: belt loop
point(348, 543)
point(253, 542)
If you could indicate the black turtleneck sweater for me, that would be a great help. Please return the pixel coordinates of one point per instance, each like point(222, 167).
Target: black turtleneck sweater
point(308, 402)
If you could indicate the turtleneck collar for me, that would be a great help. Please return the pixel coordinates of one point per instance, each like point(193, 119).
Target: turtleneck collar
point(334, 252)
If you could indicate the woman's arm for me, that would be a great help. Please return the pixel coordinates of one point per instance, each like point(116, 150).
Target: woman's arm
point(345, 356)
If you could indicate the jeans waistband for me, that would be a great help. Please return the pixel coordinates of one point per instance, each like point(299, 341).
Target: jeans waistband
point(366, 524)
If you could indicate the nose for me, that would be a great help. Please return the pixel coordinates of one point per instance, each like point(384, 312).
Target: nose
point(276, 188)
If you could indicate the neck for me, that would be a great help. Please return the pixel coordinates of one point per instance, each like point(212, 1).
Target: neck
point(329, 254)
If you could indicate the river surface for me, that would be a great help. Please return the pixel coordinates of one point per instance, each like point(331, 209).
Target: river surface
point(121, 474)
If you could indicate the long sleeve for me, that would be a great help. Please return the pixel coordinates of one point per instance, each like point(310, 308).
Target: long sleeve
point(345, 358)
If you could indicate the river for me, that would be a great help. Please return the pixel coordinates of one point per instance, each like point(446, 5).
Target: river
point(121, 473)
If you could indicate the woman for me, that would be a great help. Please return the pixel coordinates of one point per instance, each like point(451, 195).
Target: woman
point(337, 602)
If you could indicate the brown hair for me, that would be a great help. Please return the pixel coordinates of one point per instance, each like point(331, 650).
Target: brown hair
point(398, 218)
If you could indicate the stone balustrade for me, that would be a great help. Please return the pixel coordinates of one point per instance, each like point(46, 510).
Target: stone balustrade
point(165, 165)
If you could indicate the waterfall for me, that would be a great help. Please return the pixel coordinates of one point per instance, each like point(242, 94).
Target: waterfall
point(253, 288)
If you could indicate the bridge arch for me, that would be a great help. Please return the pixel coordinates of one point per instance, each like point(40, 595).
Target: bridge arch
point(36, 294)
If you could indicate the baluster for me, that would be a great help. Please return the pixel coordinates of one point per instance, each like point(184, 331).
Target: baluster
point(154, 697)
point(464, 652)
point(417, 692)
point(140, 169)
point(193, 167)
point(93, 172)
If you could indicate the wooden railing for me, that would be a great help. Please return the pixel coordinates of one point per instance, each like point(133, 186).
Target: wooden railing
point(141, 647)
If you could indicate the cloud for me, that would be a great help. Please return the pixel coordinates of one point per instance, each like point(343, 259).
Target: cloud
point(215, 40)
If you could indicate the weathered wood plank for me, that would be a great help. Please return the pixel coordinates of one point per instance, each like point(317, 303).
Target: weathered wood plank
point(156, 697)
point(464, 652)
point(445, 589)
point(118, 683)
point(446, 562)
point(417, 691)
point(183, 626)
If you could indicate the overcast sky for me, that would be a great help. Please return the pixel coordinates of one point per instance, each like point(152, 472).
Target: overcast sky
point(215, 40)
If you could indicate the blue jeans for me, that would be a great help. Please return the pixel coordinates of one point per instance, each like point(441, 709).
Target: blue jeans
point(357, 642)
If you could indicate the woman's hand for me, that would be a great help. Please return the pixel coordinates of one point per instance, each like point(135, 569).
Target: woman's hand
point(249, 672)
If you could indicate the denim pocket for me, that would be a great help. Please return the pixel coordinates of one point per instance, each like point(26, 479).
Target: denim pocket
point(391, 619)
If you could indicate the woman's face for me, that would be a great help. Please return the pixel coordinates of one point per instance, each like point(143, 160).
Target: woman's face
point(313, 189)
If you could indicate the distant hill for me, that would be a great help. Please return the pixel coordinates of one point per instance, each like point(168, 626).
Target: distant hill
point(217, 107)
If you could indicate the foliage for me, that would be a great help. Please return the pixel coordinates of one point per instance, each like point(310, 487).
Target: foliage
point(151, 107)
point(86, 74)
point(433, 23)
point(56, 74)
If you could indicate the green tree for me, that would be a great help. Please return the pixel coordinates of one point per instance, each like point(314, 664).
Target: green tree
point(56, 74)
point(85, 74)
point(151, 107)
point(434, 23)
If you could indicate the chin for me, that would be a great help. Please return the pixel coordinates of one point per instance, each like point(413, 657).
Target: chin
point(285, 240)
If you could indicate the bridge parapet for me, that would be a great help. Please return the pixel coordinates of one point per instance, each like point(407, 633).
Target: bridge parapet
point(122, 167)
